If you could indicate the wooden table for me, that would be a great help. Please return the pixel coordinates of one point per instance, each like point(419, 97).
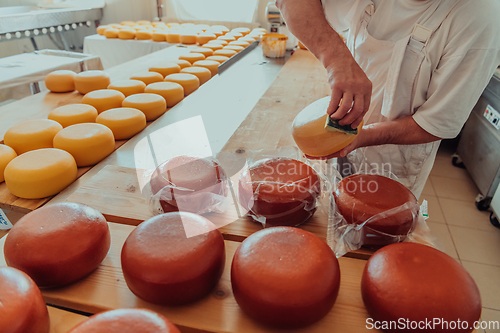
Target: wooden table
point(61, 321)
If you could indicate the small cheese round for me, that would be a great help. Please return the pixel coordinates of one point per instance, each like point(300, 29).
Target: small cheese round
point(219, 27)
point(88, 143)
point(173, 37)
point(236, 35)
point(225, 53)
point(143, 22)
point(192, 57)
point(217, 33)
point(148, 77)
point(188, 81)
point(159, 36)
point(22, 307)
point(242, 30)
point(203, 50)
point(71, 114)
point(212, 46)
point(248, 39)
point(126, 34)
point(205, 37)
point(227, 38)
point(100, 29)
point(7, 154)
point(188, 38)
point(219, 59)
point(171, 91)
point(285, 277)
point(203, 74)
point(123, 122)
point(182, 63)
point(40, 173)
point(218, 41)
point(166, 68)
point(31, 135)
point(128, 87)
point(188, 267)
point(111, 33)
point(211, 65)
point(239, 42)
point(58, 244)
point(104, 99)
point(152, 105)
point(88, 81)
point(126, 321)
point(60, 81)
point(236, 48)
point(143, 35)
point(129, 23)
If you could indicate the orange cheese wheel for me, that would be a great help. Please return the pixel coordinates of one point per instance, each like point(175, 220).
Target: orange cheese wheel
point(205, 37)
point(126, 34)
point(217, 33)
point(219, 59)
point(60, 81)
point(248, 39)
point(173, 37)
point(128, 87)
point(203, 74)
point(172, 92)
point(58, 244)
point(181, 62)
point(31, 135)
point(242, 30)
point(40, 173)
point(88, 143)
point(111, 33)
point(236, 35)
point(212, 46)
point(192, 57)
point(189, 267)
point(188, 38)
point(129, 23)
point(236, 48)
point(123, 122)
point(219, 41)
point(227, 38)
point(285, 277)
point(71, 114)
point(100, 29)
point(166, 68)
point(143, 22)
point(88, 81)
point(219, 27)
point(159, 36)
point(148, 77)
point(23, 308)
point(203, 50)
point(211, 65)
point(239, 42)
point(189, 82)
point(143, 35)
point(7, 154)
point(310, 135)
point(225, 53)
point(104, 99)
point(152, 105)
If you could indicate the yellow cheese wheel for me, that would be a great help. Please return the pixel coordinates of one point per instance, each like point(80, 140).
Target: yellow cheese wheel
point(172, 24)
point(242, 30)
point(143, 22)
point(219, 59)
point(211, 65)
point(205, 37)
point(203, 74)
point(71, 114)
point(188, 25)
point(31, 135)
point(236, 35)
point(203, 50)
point(217, 33)
point(236, 48)
point(173, 37)
point(88, 81)
point(129, 23)
point(189, 82)
point(40, 173)
point(219, 27)
point(143, 35)
point(203, 27)
point(218, 41)
point(111, 33)
point(60, 81)
point(182, 63)
point(171, 91)
point(159, 36)
point(7, 154)
point(239, 42)
point(166, 68)
point(248, 39)
point(158, 24)
point(225, 53)
point(101, 29)
point(126, 34)
point(104, 99)
point(128, 87)
point(227, 38)
point(188, 38)
point(192, 57)
point(148, 77)
point(152, 105)
point(214, 47)
point(88, 143)
point(123, 122)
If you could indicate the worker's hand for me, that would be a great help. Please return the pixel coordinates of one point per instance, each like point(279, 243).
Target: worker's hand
point(351, 91)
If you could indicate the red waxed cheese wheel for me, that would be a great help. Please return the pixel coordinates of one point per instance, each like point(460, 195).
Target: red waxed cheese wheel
point(417, 282)
point(188, 267)
point(188, 184)
point(22, 308)
point(285, 277)
point(360, 197)
point(126, 321)
point(58, 244)
point(262, 191)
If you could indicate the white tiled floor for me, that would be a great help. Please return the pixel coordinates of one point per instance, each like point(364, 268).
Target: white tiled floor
point(465, 232)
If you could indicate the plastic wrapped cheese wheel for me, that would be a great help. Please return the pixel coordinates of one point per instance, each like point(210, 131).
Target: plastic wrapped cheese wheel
point(203, 74)
point(192, 57)
point(189, 82)
point(71, 114)
point(128, 87)
point(285, 277)
point(279, 191)
point(123, 122)
point(388, 206)
point(7, 154)
point(60, 81)
point(172, 92)
point(188, 268)
point(225, 53)
point(211, 65)
point(166, 68)
point(22, 307)
point(310, 135)
point(104, 99)
point(152, 105)
point(58, 244)
point(40, 173)
point(88, 143)
point(88, 81)
point(32, 135)
point(219, 59)
point(418, 283)
point(148, 77)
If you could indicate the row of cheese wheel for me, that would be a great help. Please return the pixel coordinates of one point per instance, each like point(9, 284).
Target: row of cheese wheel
point(283, 277)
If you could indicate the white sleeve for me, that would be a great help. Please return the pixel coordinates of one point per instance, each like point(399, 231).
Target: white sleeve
point(338, 13)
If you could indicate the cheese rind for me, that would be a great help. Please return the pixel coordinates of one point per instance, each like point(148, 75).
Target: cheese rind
point(183, 63)
point(60, 81)
point(123, 122)
point(203, 50)
point(143, 35)
point(71, 114)
point(104, 99)
point(213, 46)
point(219, 59)
point(88, 143)
point(7, 154)
point(173, 37)
point(88, 81)
point(126, 34)
point(188, 38)
point(148, 77)
point(128, 87)
point(172, 92)
point(203, 74)
point(211, 65)
point(40, 173)
point(188, 81)
point(152, 105)
point(205, 37)
point(192, 57)
point(111, 33)
point(166, 68)
point(225, 53)
point(159, 36)
point(236, 48)
point(32, 135)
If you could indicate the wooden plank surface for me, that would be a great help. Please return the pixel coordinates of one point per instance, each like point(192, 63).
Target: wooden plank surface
point(106, 289)
point(62, 321)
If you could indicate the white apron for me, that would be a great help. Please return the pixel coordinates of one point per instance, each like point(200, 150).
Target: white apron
point(392, 95)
